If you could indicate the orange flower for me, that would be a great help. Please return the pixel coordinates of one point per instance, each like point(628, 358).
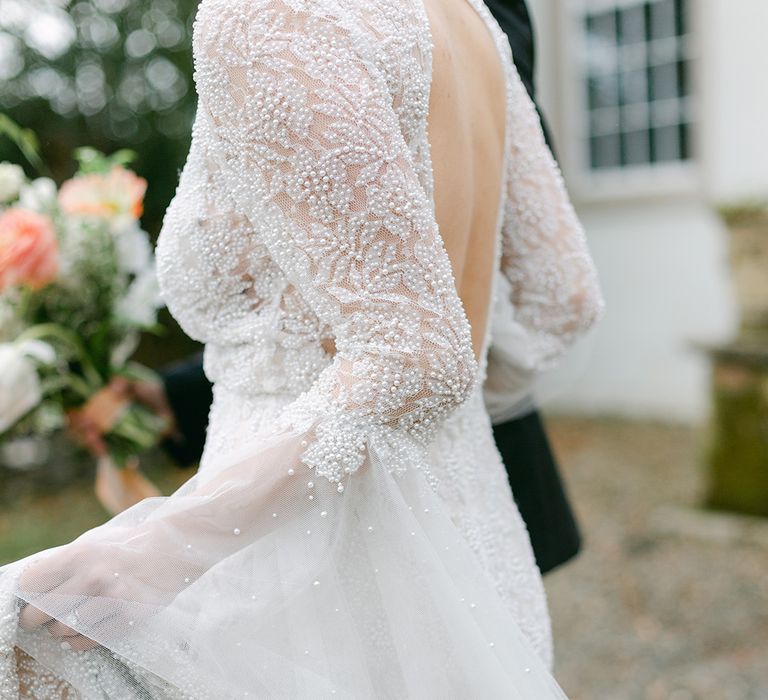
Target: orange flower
point(116, 193)
point(29, 251)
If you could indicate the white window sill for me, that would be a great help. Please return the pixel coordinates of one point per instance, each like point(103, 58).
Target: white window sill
point(656, 182)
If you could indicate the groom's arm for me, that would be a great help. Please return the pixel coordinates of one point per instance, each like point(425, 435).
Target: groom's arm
point(515, 21)
point(189, 395)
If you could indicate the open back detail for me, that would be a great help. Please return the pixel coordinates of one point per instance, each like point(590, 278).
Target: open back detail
point(467, 129)
point(350, 532)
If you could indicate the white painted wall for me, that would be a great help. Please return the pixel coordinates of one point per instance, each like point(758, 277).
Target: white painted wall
point(733, 58)
point(663, 274)
point(661, 250)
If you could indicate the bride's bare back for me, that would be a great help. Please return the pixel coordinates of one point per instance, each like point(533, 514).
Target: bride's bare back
point(467, 111)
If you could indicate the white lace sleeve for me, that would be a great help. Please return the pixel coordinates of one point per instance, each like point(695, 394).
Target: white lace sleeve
point(314, 157)
point(554, 288)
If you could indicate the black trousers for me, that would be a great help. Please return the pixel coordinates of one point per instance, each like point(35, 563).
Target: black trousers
point(522, 442)
point(538, 490)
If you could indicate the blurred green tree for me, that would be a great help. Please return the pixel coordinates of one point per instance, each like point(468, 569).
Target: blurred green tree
point(110, 74)
point(103, 73)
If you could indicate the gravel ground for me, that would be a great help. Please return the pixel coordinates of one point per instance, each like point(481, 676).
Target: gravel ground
point(666, 602)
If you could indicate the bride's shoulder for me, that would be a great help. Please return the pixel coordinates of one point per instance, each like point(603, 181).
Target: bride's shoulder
point(263, 19)
point(228, 28)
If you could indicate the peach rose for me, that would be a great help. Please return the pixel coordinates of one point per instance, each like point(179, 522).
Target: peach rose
point(116, 193)
point(29, 251)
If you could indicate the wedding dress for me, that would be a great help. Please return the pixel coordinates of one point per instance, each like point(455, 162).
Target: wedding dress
point(350, 532)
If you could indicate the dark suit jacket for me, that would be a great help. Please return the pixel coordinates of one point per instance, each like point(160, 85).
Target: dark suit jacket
point(522, 443)
point(515, 21)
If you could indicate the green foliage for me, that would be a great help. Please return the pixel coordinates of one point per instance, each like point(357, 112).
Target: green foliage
point(24, 139)
point(85, 298)
point(55, 504)
point(106, 74)
point(737, 460)
point(93, 161)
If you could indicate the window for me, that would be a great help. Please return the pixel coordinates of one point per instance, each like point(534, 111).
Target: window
point(637, 83)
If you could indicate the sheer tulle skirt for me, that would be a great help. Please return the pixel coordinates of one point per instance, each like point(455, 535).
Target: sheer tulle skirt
point(375, 594)
point(468, 476)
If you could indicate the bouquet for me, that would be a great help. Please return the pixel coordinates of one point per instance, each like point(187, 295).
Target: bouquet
point(77, 288)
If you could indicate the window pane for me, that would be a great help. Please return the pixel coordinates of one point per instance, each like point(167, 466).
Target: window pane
point(635, 148)
point(663, 19)
point(665, 82)
point(666, 143)
point(605, 151)
point(603, 91)
point(636, 83)
point(600, 56)
point(634, 86)
point(632, 25)
point(601, 29)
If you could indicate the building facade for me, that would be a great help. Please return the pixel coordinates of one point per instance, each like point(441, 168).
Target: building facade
point(659, 110)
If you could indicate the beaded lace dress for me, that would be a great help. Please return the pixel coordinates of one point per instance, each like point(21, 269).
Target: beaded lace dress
point(350, 532)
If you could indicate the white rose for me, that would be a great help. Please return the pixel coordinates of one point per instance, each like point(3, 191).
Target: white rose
point(20, 389)
point(12, 178)
point(39, 195)
point(134, 251)
point(141, 301)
